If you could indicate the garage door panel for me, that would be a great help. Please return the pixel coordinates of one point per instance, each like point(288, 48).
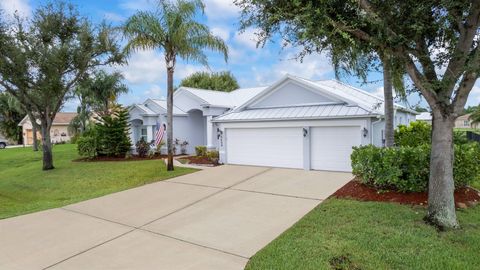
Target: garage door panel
point(331, 147)
point(277, 147)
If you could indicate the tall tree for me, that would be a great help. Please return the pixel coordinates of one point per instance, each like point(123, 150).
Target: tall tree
point(172, 28)
point(218, 81)
point(425, 37)
point(10, 115)
point(347, 54)
point(475, 116)
point(44, 57)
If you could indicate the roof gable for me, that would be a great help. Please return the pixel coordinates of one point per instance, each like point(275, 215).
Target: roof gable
point(291, 93)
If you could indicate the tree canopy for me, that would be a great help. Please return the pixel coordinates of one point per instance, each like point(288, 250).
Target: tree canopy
point(218, 81)
point(43, 58)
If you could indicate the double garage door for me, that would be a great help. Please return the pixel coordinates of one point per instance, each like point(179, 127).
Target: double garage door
point(325, 148)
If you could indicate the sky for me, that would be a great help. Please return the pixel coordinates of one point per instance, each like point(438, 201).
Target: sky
point(145, 72)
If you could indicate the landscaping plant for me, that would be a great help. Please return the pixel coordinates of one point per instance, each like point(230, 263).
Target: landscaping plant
point(201, 150)
point(112, 133)
point(142, 148)
point(406, 168)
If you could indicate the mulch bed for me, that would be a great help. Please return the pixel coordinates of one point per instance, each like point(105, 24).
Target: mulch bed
point(131, 158)
point(197, 160)
point(464, 197)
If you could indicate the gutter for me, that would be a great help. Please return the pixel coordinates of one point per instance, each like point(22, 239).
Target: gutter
point(295, 119)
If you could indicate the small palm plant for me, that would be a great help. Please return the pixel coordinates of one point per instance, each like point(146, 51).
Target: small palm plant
point(172, 29)
point(475, 116)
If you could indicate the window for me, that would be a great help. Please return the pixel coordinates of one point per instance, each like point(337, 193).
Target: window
point(143, 134)
point(466, 123)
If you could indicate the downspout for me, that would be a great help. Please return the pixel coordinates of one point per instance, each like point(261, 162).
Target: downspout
point(372, 128)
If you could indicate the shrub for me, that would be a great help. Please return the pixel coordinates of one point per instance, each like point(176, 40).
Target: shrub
point(74, 138)
point(213, 156)
point(417, 133)
point(201, 150)
point(87, 146)
point(142, 147)
point(406, 168)
point(420, 133)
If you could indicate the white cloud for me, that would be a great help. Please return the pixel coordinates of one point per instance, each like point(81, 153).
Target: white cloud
point(154, 92)
point(221, 10)
point(113, 17)
point(221, 32)
point(474, 97)
point(11, 6)
point(378, 92)
point(134, 5)
point(313, 67)
point(144, 67)
point(247, 39)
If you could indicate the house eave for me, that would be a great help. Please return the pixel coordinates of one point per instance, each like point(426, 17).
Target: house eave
point(294, 119)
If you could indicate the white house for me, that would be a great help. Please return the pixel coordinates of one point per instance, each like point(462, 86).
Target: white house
point(294, 123)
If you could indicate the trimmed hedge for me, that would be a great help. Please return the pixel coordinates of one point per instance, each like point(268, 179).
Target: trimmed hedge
point(420, 133)
point(87, 146)
point(406, 168)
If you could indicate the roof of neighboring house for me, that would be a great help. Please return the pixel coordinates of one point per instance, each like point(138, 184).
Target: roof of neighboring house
point(62, 118)
point(354, 103)
point(464, 117)
point(424, 116)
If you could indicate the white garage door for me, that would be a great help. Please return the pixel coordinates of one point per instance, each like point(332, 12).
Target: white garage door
point(276, 147)
point(331, 147)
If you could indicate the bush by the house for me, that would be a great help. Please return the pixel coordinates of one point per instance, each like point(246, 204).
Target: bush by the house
point(213, 156)
point(87, 146)
point(417, 133)
point(420, 133)
point(406, 168)
point(112, 133)
point(201, 150)
point(142, 148)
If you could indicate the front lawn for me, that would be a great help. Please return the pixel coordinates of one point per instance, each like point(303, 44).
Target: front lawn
point(348, 234)
point(25, 188)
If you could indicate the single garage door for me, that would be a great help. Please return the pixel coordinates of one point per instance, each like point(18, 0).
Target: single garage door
point(331, 147)
point(276, 147)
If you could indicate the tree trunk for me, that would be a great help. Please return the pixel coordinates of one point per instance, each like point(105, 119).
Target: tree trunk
point(34, 136)
point(47, 148)
point(441, 204)
point(170, 118)
point(388, 104)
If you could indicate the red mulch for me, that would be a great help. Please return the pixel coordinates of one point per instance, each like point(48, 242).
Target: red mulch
point(199, 160)
point(131, 158)
point(464, 197)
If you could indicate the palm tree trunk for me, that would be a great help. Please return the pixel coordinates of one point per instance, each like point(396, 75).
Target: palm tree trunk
point(388, 97)
point(170, 71)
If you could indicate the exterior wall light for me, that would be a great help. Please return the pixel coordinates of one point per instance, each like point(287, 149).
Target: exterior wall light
point(365, 132)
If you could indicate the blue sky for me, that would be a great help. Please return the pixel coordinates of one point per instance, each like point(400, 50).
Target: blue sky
point(145, 73)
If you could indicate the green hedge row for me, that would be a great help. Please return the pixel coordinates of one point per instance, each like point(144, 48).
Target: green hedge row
point(406, 168)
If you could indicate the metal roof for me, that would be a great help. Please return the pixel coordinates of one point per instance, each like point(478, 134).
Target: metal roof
point(224, 99)
point(163, 103)
point(296, 112)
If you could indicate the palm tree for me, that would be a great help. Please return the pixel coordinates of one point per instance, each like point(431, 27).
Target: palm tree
point(172, 29)
point(475, 116)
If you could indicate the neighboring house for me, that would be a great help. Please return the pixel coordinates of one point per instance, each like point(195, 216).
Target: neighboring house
point(465, 122)
point(58, 133)
point(425, 117)
point(294, 123)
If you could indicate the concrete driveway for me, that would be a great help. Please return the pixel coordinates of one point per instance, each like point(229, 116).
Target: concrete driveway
point(213, 219)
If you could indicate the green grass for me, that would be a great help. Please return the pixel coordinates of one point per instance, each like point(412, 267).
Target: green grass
point(25, 188)
point(349, 234)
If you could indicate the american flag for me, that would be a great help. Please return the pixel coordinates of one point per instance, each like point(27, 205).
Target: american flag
point(159, 134)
